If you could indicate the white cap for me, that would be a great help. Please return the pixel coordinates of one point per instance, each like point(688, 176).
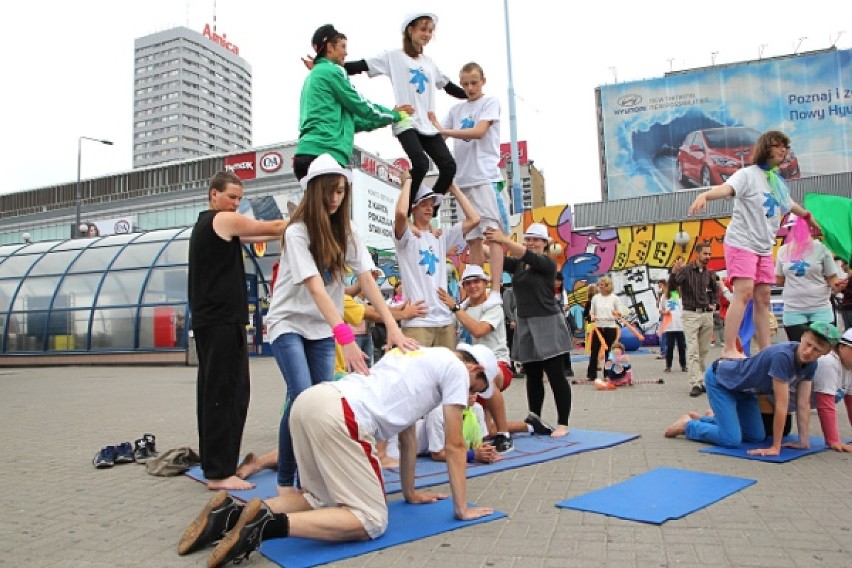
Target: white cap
point(537, 231)
point(472, 271)
point(791, 220)
point(485, 357)
point(425, 192)
point(322, 165)
point(415, 15)
point(846, 338)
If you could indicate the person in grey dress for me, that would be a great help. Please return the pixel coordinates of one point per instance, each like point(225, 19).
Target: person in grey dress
point(541, 334)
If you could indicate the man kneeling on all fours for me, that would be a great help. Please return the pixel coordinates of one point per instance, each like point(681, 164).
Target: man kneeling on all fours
point(332, 423)
point(733, 387)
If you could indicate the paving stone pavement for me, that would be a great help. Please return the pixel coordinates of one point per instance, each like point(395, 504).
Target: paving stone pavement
point(59, 511)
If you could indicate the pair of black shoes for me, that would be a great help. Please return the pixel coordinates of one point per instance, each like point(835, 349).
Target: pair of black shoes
point(140, 451)
point(237, 527)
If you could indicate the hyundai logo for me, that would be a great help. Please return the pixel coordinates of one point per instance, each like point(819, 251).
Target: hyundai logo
point(629, 100)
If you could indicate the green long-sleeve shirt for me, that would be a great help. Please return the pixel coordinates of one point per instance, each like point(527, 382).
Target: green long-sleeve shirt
point(332, 111)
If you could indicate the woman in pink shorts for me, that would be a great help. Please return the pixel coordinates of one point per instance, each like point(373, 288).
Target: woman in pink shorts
point(761, 201)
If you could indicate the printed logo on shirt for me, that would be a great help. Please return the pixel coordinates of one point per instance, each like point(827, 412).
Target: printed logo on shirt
point(419, 80)
point(771, 203)
point(429, 260)
point(466, 122)
point(798, 267)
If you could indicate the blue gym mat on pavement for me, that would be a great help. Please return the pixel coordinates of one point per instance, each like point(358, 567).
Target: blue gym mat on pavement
point(528, 450)
point(659, 495)
point(787, 454)
point(406, 523)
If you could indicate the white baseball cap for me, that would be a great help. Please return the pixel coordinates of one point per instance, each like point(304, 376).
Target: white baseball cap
point(485, 357)
point(415, 15)
point(846, 338)
point(425, 192)
point(537, 231)
point(473, 272)
point(322, 165)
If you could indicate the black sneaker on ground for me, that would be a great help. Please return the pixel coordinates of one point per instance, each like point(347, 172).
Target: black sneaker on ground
point(503, 444)
point(124, 453)
point(211, 524)
point(105, 458)
point(703, 388)
point(151, 442)
point(244, 538)
point(140, 452)
point(538, 425)
point(695, 391)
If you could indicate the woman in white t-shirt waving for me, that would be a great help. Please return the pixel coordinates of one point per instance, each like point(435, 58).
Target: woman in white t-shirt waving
point(604, 313)
point(305, 317)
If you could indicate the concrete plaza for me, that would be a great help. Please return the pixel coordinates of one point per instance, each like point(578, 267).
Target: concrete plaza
point(59, 511)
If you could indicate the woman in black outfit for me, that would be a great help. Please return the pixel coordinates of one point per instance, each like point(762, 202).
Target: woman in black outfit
point(541, 336)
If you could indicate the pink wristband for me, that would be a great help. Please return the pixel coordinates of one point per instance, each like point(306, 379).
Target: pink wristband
point(343, 334)
point(807, 216)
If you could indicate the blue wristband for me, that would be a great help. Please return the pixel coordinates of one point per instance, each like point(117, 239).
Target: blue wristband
point(471, 456)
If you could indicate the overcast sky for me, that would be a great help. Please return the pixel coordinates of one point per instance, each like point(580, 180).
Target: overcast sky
point(69, 67)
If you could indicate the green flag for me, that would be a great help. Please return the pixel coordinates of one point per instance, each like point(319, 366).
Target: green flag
point(834, 215)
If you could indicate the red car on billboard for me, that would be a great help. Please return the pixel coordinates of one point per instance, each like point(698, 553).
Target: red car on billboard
point(710, 156)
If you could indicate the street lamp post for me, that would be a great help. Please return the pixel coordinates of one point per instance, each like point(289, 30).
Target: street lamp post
point(79, 198)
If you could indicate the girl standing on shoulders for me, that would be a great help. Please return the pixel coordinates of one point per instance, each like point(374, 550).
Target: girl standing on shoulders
point(305, 315)
point(415, 78)
point(761, 199)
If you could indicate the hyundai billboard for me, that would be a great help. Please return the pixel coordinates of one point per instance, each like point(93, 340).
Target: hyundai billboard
point(695, 128)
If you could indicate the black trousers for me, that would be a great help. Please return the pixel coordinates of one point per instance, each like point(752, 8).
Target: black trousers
point(301, 163)
point(609, 334)
point(222, 396)
point(675, 338)
point(555, 369)
point(419, 149)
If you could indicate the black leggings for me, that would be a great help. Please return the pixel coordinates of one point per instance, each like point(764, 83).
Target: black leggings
point(301, 162)
point(419, 148)
point(555, 369)
point(794, 332)
point(609, 334)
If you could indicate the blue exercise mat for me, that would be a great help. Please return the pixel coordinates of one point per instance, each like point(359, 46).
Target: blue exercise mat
point(405, 523)
point(787, 454)
point(528, 450)
point(659, 495)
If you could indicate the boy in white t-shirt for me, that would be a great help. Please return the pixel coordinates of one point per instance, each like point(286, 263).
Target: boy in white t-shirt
point(422, 261)
point(475, 126)
point(833, 383)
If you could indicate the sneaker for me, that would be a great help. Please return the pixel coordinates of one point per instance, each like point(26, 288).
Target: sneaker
point(703, 388)
point(538, 425)
point(667, 370)
point(685, 369)
point(104, 458)
point(244, 538)
point(141, 453)
point(124, 453)
point(503, 444)
point(151, 442)
point(695, 391)
point(211, 524)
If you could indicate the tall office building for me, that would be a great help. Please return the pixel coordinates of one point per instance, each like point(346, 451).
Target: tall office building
point(191, 96)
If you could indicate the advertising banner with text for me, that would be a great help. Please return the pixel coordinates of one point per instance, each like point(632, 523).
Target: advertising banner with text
point(373, 205)
point(696, 128)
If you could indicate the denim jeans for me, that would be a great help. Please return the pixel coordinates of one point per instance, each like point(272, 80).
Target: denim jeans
point(736, 417)
point(304, 363)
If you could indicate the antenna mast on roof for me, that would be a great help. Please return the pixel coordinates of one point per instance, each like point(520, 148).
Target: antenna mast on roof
point(214, 16)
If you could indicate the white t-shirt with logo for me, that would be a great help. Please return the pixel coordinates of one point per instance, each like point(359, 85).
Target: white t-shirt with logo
point(293, 309)
point(403, 387)
point(430, 430)
point(423, 269)
point(414, 83)
point(496, 339)
point(831, 375)
point(477, 160)
point(805, 287)
point(756, 216)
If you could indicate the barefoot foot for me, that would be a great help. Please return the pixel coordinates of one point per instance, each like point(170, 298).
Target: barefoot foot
point(288, 490)
point(732, 354)
point(232, 483)
point(561, 430)
point(678, 428)
point(388, 462)
point(249, 466)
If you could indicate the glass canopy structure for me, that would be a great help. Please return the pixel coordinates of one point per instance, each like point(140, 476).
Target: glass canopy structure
point(117, 293)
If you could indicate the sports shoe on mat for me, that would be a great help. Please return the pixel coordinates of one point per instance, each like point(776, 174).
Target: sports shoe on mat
point(539, 426)
point(244, 538)
point(211, 524)
point(503, 444)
